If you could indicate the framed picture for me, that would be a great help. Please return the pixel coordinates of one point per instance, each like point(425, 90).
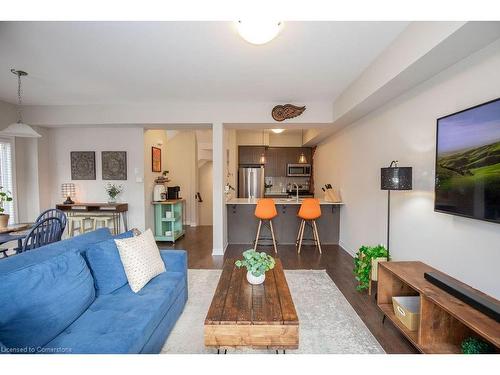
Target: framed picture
point(114, 165)
point(82, 165)
point(156, 159)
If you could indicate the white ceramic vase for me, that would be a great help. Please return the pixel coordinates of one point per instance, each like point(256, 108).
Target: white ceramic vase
point(254, 280)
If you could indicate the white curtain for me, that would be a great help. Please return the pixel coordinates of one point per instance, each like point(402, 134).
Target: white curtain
point(7, 174)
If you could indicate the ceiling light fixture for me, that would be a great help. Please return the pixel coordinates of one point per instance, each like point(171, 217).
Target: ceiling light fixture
point(302, 157)
point(262, 159)
point(259, 32)
point(277, 131)
point(19, 129)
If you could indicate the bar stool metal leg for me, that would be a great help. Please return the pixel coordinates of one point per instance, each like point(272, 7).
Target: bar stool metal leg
point(316, 234)
point(258, 234)
point(301, 234)
point(272, 234)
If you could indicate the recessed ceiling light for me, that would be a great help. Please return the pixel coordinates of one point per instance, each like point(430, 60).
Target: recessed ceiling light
point(277, 131)
point(259, 32)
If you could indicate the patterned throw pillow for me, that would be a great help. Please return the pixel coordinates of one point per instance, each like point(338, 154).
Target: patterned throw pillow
point(141, 259)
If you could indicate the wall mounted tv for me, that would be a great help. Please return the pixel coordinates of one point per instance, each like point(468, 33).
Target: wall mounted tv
point(468, 163)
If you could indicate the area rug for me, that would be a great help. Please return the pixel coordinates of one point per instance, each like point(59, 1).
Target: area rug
point(328, 323)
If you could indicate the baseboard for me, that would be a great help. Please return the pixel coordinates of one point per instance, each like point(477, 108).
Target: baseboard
point(349, 251)
point(218, 251)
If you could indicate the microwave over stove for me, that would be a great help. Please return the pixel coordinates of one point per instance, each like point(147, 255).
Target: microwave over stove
point(298, 170)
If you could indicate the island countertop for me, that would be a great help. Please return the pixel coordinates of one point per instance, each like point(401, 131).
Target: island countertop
point(287, 201)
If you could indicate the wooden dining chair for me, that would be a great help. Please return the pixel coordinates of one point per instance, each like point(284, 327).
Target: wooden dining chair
point(54, 212)
point(45, 232)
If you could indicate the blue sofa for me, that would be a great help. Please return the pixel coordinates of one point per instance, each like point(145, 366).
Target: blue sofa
point(73, 297)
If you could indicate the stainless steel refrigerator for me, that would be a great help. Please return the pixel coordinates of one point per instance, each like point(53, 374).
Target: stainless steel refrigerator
point(251, 182)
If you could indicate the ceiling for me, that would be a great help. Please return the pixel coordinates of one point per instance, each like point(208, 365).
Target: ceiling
point(153, 62)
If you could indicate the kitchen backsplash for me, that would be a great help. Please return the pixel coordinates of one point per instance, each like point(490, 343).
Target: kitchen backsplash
point(280, 183)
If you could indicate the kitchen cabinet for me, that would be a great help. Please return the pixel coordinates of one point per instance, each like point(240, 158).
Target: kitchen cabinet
point(277, 159)
point(250, 154)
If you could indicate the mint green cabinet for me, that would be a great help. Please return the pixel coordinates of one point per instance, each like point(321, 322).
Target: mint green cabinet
point(168, 220)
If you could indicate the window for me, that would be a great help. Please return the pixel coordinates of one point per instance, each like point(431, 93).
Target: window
point(7, 173)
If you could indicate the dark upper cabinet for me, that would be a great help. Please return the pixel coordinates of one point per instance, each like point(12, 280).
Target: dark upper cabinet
point(277, 159)
point(250, 154)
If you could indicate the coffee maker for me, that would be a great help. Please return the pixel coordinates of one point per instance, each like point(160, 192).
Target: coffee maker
point(173, 192)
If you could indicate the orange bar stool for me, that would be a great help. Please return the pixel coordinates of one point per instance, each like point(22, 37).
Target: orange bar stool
point(265, 211)
point(309, 211)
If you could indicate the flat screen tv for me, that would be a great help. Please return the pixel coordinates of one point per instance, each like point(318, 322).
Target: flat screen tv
point(468, 163)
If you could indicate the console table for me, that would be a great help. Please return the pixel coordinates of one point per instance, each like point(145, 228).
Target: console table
point(117, 210)
point(445, 321)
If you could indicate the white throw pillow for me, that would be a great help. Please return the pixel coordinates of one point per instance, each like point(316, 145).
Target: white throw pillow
point(141, 259)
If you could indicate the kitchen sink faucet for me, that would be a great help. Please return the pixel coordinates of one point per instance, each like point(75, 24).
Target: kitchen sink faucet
point(297, 190)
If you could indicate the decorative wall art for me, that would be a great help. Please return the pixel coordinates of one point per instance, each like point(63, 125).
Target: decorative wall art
point(287, 111)
point(83, 165)
point(156, 159)
point(114, 165)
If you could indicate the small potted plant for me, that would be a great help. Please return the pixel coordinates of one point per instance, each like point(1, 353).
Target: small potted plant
point(5, 196)
point(113, 191)
point(257, 264)
point(367, 258)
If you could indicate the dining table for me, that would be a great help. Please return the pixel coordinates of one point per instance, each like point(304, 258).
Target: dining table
point(14, 232)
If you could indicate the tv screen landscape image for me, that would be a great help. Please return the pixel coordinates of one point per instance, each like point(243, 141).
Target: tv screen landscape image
point(468, 163)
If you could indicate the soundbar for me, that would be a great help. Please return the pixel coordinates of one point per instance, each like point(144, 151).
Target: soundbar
point(470, 296)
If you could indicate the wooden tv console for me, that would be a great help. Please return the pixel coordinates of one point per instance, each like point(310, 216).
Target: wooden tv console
point(444, 320)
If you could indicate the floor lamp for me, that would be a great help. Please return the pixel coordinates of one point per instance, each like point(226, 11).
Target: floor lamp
point(394, 178)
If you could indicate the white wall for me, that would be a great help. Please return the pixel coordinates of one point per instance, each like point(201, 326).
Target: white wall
point(404, 130)
point(182, 163)
point(156, 138)
point(64, 140)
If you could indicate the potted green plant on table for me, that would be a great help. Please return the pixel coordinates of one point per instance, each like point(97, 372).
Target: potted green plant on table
point(5, 196)
point(257, 264)
point(113, 191)
point(367, 258)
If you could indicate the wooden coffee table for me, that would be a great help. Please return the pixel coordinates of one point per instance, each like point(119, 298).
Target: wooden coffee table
point(257, 316)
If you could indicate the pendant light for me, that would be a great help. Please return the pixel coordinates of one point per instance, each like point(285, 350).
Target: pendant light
point(19, 129)
point(302, 157)
point(262, 159)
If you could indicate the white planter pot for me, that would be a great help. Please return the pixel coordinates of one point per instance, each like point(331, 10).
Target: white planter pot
point(254, 280)
point(375, 262)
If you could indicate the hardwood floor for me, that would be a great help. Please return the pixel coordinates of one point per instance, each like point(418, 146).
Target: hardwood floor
point(335, 260)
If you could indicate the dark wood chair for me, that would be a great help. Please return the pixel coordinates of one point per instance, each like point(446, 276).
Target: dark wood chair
point(54, 212)
point(44, 232)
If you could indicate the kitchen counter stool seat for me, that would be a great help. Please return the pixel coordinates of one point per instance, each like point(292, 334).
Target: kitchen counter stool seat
point(81, 221)
point(309, 211)
point(105, 221)
point(265, 211)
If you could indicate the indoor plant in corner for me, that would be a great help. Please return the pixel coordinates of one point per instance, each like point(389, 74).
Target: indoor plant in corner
point(257, 264)
point(367, 258)
point(4, 197)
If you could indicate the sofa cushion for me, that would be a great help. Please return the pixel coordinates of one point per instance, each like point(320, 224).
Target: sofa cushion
point(105, 264)
point(39, 301)
point(141, 259)
point(122, 321)
point(74, 244)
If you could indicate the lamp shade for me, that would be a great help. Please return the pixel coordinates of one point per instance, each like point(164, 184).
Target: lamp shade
point(18, 129)
point(68, 191)
point(396, 178)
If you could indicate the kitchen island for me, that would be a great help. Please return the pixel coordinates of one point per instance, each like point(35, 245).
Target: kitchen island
point(242, 223)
